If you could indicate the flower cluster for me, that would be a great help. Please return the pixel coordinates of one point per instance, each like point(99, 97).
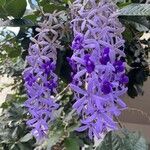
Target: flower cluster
point(98, 65)
point(40, 78)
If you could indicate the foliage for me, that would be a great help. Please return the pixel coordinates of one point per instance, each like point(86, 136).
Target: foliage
point(8, 8)
point(123, 141)
point(136, 23)
point(135, 10)
point(14, 134)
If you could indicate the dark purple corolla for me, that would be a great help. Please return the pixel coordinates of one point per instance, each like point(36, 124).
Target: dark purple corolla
point(30, 78)
point(48, 66)
point(105, 56)
point(99, 77)
point(119, 67)
point(124, 79)
point(40, 78)
point(106, 87)
point(77, 44)
point(89, 64)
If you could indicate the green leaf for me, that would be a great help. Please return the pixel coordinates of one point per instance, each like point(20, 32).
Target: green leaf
point(16, 8)
point(54, 136)
point(26, 138)
point(21, 22)
point(14, 134)
point(31, 18)
point(137, 21)
point(141, 28)
point(135, 10)
point(12, 53)
point(122, 4)
point(71, 144)
point(14, 147)
point(127, 34)
point(22, 146)
point(2, 2)
point(126, 141)
point(67, 1)
point(111, 142)
point(18, 23)
point(134, 141)
point(49, 8)
point(3, 13)
point(43, 2)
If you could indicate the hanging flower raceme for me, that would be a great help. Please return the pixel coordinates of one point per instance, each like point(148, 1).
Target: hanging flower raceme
point(98, 68)
point(40, 79)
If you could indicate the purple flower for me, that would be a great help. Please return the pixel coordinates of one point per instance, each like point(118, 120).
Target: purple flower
point(78, 42)
point(40, 128)
point(98, 81)
point(89, 64)
point(72, 64)
point(105, 56)
point(40, 78)
point(106, 50)
point(30, 79)
point(124, 79)
point(119, 66)
point(106, 87)
point(51, 84)
point(48, 66)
